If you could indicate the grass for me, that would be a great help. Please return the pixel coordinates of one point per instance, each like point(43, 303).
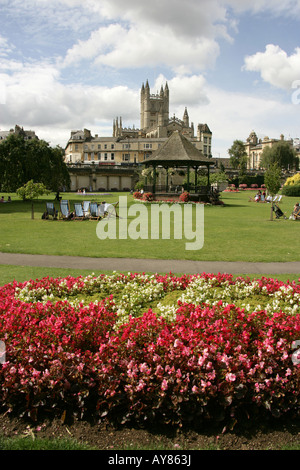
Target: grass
point(239, 231)
point(28, 443)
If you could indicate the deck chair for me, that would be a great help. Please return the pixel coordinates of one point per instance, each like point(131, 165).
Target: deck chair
point(111, 209)
point(94, 211)
point(86, 208)
point(50, 210)
point(101, 211)
point(65, 213)
point(79, 214)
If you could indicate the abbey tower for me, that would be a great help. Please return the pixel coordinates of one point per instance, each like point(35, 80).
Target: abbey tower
point(154, 110)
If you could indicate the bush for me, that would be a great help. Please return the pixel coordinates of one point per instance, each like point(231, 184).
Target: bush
point(137, 195)
point(148, 197)
point(293, 180)
point(184, 197)
point(291, 190)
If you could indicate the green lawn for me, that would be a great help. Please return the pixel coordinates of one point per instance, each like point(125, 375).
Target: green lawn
point(239, 231)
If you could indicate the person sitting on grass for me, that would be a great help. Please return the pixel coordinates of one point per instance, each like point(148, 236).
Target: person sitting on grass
point(296, 212)
point(258, 196)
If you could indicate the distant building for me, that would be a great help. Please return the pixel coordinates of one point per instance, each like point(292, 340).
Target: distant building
point(255, 147)
point(28, 135)
point(130, 146)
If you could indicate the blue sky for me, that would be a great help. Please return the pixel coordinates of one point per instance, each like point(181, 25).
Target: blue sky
point(68, 64)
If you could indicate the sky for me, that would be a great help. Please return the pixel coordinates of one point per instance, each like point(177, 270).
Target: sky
point(67, 65)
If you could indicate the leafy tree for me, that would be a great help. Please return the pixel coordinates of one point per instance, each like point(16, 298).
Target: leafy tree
point(282, 154)
point(12, 151)
point(238, 155)
point(22, 160)
point(272, 182)
point(32, 190)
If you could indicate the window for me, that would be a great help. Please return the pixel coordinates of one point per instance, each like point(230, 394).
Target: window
point(99, 146)
point(112, 146)
point(105, 156)
point(85, 157)
point(126, 157)
point(147, 146)
point(112, 157)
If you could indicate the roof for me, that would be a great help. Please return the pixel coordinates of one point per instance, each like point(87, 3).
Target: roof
point(178, 150)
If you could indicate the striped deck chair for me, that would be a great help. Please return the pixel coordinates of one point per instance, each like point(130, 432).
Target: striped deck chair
point(110, 209)
point(79, 214)
point(51, 211)
point(65, 213)
point(94, 211)
point(86, 208)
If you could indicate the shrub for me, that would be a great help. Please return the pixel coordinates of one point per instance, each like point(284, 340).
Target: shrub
point(291, 190)
point(184, 197)
point(137, 195)
point(293, 180)
point(148, 197)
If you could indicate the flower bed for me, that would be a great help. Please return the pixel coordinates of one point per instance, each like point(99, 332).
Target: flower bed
point(140, 347)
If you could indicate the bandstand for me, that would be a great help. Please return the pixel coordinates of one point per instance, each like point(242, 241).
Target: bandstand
point(179, 152)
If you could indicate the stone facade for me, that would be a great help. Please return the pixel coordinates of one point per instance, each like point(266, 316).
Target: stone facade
point(254, 148)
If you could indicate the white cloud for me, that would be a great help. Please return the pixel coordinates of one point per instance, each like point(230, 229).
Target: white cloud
point(118, 47)
point(36, 97)
point(275, 66)
point(234, 115)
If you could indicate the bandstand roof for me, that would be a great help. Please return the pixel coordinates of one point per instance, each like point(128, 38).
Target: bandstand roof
point(178, 151)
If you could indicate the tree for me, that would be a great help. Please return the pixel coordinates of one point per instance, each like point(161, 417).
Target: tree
point(31, 191)
point(12, 151)
point(238, 155)
point(282, 154)
point(272, 182)
point(22, 160)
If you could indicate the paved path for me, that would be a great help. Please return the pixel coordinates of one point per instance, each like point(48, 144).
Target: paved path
point(148, 265)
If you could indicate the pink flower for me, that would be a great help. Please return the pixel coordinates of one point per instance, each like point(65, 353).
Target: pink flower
point(164, 385)
point(230, 377)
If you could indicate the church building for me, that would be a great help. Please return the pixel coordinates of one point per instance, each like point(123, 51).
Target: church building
point(130, 146)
